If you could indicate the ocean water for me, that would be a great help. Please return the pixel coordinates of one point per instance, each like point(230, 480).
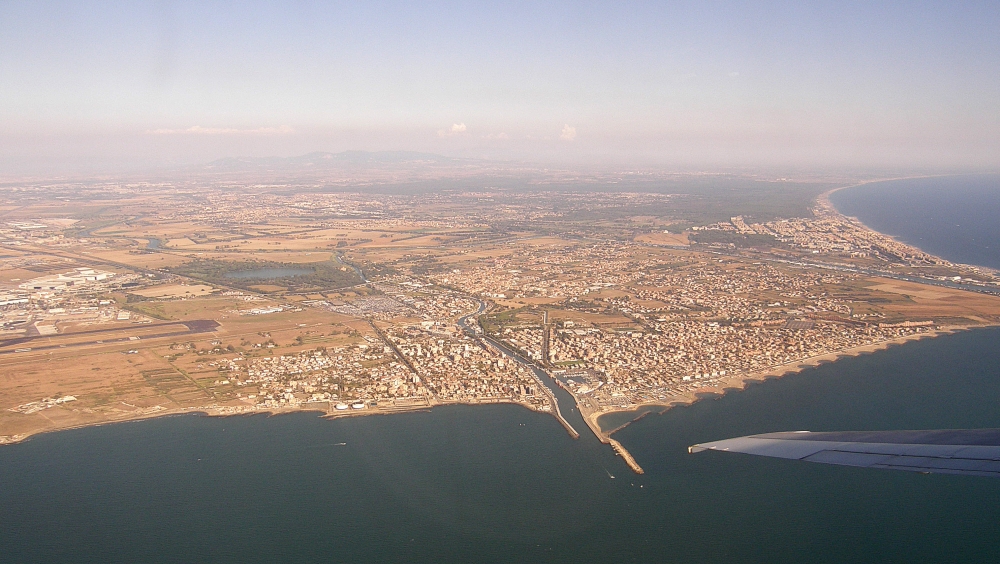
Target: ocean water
point(503, 484)
point(954, 217)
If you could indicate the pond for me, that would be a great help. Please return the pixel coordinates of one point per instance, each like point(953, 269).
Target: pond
point(268, 273)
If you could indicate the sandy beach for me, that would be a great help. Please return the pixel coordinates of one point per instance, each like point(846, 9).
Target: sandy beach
point(240, 411)
point(738, 383)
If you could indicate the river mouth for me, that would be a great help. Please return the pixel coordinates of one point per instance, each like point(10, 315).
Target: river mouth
point(267, 273)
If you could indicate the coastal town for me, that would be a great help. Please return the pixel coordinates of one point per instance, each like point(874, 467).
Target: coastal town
point(350, 304)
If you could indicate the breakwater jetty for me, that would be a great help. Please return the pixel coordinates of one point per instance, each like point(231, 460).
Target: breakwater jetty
point(626, 456)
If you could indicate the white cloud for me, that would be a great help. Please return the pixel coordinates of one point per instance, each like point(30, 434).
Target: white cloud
point(734, 74)
point(199, 130)
point(455, 129)
point(568, 133)
point(500, 135)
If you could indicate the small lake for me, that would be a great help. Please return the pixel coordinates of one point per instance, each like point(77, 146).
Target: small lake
point(268, 273)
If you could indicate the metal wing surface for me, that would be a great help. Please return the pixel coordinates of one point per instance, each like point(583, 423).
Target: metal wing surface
point(972, 452)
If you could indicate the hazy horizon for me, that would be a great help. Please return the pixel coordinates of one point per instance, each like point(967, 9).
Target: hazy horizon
point(825, 86)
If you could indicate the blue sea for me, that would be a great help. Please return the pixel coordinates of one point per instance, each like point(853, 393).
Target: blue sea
point(504, 484)
point(955, 217)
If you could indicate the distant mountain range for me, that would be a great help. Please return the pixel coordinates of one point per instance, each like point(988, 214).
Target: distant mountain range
point(322, 160)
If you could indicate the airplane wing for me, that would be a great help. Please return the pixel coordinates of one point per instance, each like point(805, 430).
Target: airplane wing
point(973, 452)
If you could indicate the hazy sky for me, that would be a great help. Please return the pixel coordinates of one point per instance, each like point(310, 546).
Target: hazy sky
point(671, 83)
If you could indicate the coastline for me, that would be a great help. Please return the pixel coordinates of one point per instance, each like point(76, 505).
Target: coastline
point(729, 385)
point(217, 411)
point(739, 383)
point(824, 203)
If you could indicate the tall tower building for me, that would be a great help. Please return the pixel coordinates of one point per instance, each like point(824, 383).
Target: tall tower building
point(546, 335)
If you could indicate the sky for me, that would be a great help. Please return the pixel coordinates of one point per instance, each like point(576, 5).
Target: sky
point(823, 85)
